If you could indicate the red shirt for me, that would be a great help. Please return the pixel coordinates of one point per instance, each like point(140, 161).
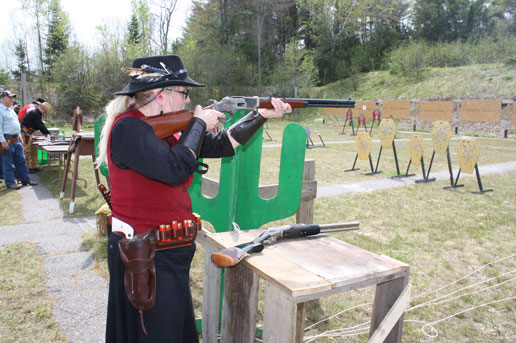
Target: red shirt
point(24, 110)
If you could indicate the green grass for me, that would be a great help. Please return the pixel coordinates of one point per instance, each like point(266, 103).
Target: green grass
point(492, 81)
point(26, 307)
point(11, 209)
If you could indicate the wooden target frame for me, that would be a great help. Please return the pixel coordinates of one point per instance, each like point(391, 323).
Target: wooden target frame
point(398, 109)
point(435, 110)
point(481, 111)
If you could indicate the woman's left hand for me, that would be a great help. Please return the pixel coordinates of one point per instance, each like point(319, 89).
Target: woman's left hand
point(279, 109)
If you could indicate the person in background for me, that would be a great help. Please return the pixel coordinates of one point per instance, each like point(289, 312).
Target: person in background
point(13, 160)
point(27, 107)
point(149, 180)
point(17, 106)
point(31, 122)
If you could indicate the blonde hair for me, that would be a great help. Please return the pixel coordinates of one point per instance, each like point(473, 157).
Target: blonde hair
point(113, 109)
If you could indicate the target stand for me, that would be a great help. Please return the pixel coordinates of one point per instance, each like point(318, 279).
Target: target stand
point(349, 116)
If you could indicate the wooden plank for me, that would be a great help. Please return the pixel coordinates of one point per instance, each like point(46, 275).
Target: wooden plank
point(339, 111)
point(386, 295)
point(210, 292)
point(396, 108)
point(390, 319)
point(279, 321)
point(240, 302)
point(481, 111)
point(435, 110)
point(300, 321)
point(364, 107)
point(514, 113)
point(305, 213)
point(345, 265)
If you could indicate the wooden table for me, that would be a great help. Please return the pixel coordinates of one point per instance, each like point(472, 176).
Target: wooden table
point(296, 271)
point(82, 144)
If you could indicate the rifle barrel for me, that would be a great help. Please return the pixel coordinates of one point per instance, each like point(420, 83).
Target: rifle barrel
point(335, 227)
point(305, 102)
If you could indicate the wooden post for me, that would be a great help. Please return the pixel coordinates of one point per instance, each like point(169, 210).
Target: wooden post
point(240, 301)
point(210, 293)
point(386, 295)
point(305, 213)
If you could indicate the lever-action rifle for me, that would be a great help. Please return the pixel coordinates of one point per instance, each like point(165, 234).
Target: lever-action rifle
point(232, 256)
point(167, 124)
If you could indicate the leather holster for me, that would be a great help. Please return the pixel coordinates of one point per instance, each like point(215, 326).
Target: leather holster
point(140, 273)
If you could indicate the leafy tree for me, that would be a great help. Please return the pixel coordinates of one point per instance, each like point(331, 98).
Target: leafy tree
point(450, 20)
point(22, 61)
point(296, 71)
point(143, 15)
point(38, 10)
point(72, 75)
point(58, 34)
point(4, 76)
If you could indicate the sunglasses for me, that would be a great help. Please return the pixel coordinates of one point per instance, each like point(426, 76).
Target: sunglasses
point(185, 92)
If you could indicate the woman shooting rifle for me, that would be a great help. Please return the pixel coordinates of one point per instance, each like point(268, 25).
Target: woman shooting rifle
point(149, 180)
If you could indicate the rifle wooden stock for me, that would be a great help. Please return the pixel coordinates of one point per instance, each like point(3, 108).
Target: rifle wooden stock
point(166, 124)
point(294, 103)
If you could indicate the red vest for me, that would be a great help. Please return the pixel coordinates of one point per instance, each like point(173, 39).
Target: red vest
point(144, 203)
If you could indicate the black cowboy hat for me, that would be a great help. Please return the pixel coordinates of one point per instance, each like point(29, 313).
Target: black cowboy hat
point(156, 72)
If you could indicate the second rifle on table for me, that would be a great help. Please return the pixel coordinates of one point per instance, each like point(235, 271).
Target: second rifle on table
point(230, 257)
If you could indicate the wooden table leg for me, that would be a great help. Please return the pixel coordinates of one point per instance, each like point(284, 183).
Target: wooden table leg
point(280, 318)
point(239, 305)
point(210, 294)
point(65, 176)
point(75, 173)
point(386, 295)
point(97, 176)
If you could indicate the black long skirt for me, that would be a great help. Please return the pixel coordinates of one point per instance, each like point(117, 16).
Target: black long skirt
point(171, 320)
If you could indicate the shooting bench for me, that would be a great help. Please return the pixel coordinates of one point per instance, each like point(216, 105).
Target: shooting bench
point(82, 144)
point(297, 271)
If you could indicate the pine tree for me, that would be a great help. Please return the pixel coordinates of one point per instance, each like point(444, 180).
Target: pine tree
point(58, 35)
point(20, 51)
point(134, 35)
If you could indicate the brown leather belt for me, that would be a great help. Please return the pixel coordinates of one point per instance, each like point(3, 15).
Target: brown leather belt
point(12, 140)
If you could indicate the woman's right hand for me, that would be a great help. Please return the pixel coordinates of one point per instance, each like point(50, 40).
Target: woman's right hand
point(209, 116)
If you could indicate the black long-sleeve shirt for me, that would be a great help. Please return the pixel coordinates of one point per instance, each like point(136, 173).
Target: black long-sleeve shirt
point(134, 146)
point(33, 120)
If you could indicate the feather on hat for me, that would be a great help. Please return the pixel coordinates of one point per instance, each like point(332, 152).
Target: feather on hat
point(156, 72)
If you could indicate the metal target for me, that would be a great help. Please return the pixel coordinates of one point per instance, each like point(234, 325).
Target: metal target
point(468, 155)
point(416, 148)
point(387, 130)
point(441, 134)
point(363, 145)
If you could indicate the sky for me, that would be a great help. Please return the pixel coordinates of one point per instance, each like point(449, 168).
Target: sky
point(84, 16)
